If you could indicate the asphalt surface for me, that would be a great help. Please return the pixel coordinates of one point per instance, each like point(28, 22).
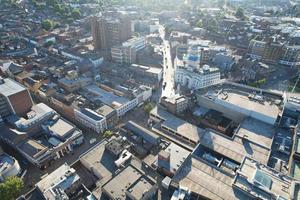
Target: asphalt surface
point(168, 67)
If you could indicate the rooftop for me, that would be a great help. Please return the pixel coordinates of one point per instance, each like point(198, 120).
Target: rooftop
point(207, 181)
point(61, 128)
point(257, 132)
point(32, 148)
point(130, 180)
point(262, 182)
point(177, 157)
point(63, 177)
point(181, 127)
point(6, 162)
point(253, 102)
point(91, 114)
point(9, 87)
point(146, 134)
point(236, 148)
point(107, 97)
point(100, 161)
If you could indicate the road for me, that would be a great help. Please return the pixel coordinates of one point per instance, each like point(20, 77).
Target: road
point(168, 67)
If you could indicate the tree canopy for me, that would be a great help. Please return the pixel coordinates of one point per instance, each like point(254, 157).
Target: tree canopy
point(47, 24)
point(10, 189)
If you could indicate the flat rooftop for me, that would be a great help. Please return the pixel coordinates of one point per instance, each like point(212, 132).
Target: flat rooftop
point(32, 148)
point(9, 87)
point(130, 180)
point(257, 132)
point(99, 161)
point(207, 181)
point(107, 97)
point(177, 157)
point(62, 127)
point(263, 182)
point(52, 178)
point(253, 102)
point(242, 100)
point(91, 114)
point(177, 125)
point(236, 148)
point(6, 162)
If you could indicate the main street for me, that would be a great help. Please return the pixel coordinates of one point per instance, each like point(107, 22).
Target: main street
point(168, 89)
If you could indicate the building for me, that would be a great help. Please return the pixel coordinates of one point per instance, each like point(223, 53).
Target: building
point(176, 104)
point(126, 53)
point(42, 136)
point(148, 71)
point(258, 181)
point(196, 78)
point(108, 32)
point(238, 102)
point(91, 119)
point(291, 56)
point(117, 100)
point(9, 166)
point(130, 183)
point(176, 127)
point(110, 115)
point(71, 84)
point(62, 183)
point(169, 160)
point(257, 49)
point(224, 61)
point(14, 98)
point(146, 135)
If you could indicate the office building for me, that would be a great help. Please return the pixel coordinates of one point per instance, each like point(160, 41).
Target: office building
point(91, 119)
point(108, 32)
point(14, 98)
point(126, 53)
point(9, 166)
point(176, 104)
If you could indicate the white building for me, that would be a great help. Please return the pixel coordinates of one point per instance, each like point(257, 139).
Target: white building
point(189, 74)
point(127, 52)
point(120, 102)
point(91, 119)
point(9, 166)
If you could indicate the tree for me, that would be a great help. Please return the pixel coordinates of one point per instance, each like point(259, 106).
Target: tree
point(47, 24)
point(148, 107)
point(199, 24)
point(107, 133)
point(11, 188)
point(76, 13)
point(240, 13)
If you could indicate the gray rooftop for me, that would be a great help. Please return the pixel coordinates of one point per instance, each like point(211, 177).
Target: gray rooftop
point(10, 87)
point(62, 128)
point(181, 127)
point(99, 161)
point(236, 148)
point(108, 98)
point(262, 182)
point(130, 180)
point(207, 181)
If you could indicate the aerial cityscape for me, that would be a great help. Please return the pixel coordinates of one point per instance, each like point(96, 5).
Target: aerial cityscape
point(149, 99)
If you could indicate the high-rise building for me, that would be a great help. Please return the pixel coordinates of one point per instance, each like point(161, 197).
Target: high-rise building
point(14, 98)
point(108, 32)
point(127, 52)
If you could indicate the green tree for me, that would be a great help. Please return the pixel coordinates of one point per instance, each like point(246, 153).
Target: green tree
point(148, 107)
point(240, 13)
point(107, 133)
point(76, 13)
point(47, 24)
point(199, 24)
point(11, 188)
